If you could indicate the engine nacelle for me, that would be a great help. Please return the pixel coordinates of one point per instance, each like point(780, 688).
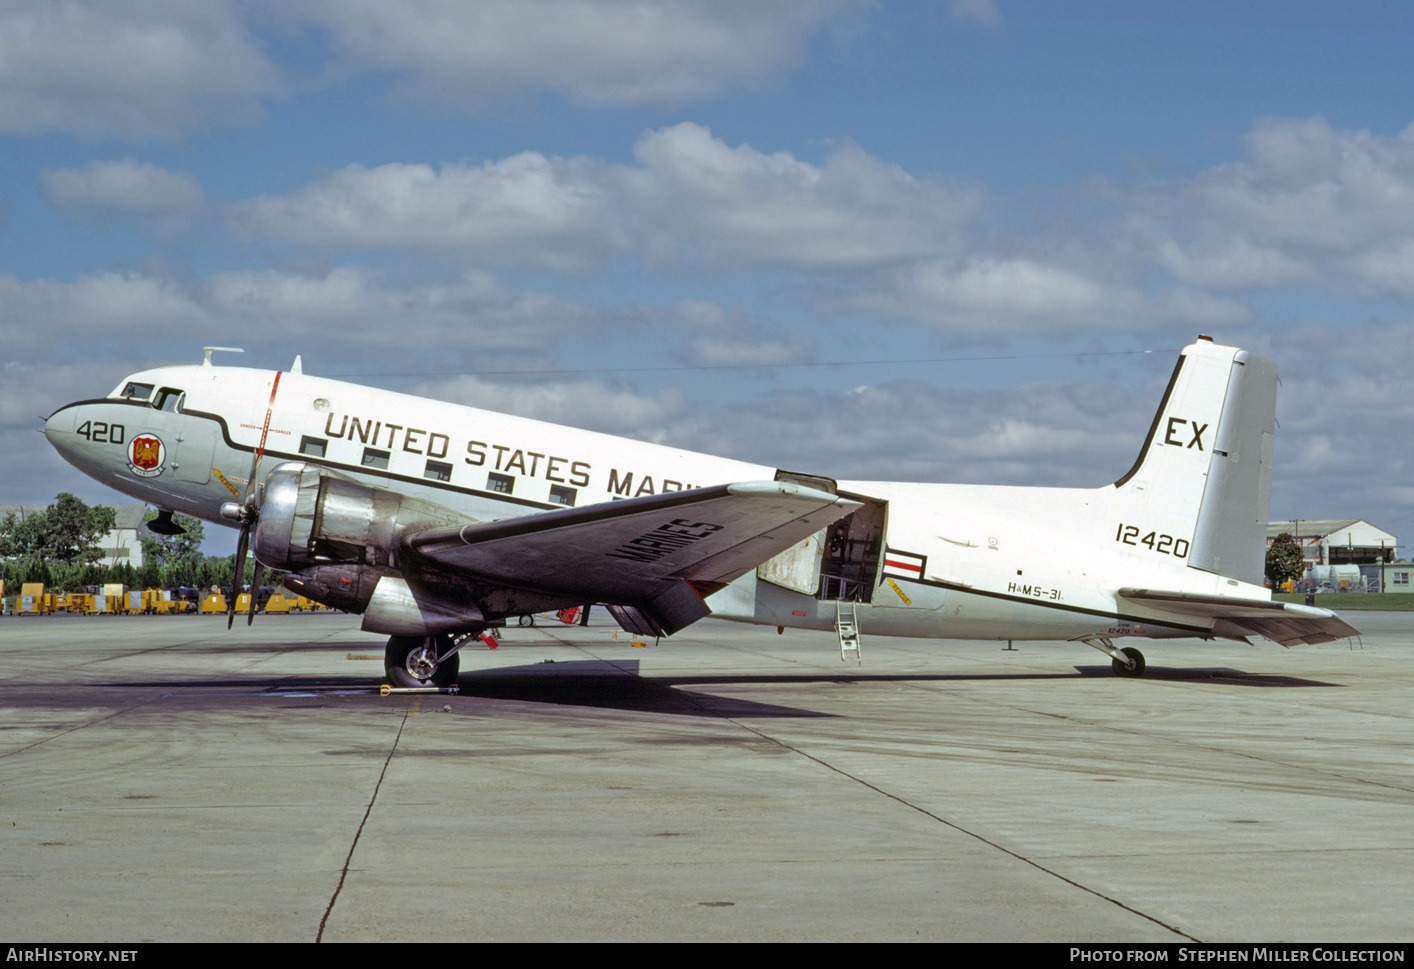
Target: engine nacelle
point(338, 539)
point(346, 587)
point(311, 516)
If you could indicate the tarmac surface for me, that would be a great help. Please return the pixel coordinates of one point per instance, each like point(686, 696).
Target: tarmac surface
point(164, 779)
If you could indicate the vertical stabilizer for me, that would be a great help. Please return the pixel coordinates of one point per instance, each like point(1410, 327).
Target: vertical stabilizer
point(1203, 478)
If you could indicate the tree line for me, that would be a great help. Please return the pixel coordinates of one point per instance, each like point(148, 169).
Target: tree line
point(60, 546)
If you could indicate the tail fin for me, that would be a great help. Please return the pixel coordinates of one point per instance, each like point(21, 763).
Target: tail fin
point(1204, 475)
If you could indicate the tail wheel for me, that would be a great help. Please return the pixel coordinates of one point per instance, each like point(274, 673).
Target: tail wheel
point(1137, 670)
point(411, 661)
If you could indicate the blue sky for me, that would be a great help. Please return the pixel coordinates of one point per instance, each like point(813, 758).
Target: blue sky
point(926, 241)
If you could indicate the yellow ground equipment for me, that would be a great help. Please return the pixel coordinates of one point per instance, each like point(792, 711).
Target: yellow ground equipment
point(33, 600)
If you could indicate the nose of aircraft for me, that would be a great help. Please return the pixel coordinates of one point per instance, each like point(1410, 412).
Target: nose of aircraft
point(59, 428)
point(59, 424)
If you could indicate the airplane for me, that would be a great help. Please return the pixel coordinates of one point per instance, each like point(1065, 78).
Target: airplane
point(437, 522)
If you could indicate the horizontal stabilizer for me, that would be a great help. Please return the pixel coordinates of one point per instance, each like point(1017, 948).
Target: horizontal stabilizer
point(1284, 622)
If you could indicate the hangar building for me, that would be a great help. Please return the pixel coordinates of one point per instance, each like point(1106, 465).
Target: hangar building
point(1338, 541)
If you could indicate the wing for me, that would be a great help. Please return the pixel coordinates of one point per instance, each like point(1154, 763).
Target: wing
point(653, 558)
point(1284, 622)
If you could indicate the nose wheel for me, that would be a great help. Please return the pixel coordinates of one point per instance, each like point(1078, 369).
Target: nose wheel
point(413, 661)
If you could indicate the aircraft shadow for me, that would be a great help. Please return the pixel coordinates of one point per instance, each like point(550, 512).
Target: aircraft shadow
point(1219, 674)
point(618, 686)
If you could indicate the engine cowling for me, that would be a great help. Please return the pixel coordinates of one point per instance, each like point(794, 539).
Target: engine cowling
point(311, 516)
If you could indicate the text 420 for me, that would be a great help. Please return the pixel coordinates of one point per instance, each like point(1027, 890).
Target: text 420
point(1167, 544)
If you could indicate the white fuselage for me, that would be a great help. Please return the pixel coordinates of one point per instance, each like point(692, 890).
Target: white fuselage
point(924, 560)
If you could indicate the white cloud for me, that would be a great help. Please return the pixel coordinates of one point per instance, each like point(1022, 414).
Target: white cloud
point(1308, 206)
point(526, 210)
point(720, 339)
point(589, 404)
point(595, 52)
point(692, 199)
point(467, 314)
point(104, 307)
point(1235, 263)
point(156, 68)
point(131, 68)
point(345, 312)
point(979, 11)
point(164, 202)
point(1389, 269)
point(698, 199)
point(1024, 295)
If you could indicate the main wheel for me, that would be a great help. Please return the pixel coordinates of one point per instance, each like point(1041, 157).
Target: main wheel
point(1134, 654)
point(410, 661)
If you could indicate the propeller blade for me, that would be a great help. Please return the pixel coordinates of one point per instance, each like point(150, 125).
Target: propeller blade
point(250, 501)
point(250, 515)
point(242, 546)
point(254, 591)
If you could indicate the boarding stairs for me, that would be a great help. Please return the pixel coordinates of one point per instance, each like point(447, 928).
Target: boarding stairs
point(847, 628)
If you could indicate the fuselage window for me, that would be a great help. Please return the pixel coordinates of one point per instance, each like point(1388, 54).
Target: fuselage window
point(502, 483)
point(438, 471)
point(561, 495)
point(374, 458)
point(169, 400)
point(137, 391)
point(315, 447)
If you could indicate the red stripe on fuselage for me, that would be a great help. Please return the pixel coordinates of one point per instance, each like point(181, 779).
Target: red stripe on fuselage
point(907, 566)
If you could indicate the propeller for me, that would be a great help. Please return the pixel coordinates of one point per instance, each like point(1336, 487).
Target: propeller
point(247, 512)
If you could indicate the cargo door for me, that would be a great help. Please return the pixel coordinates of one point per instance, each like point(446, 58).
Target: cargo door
point(798, 567)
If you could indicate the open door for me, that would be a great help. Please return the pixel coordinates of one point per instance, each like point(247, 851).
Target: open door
point(837, 562)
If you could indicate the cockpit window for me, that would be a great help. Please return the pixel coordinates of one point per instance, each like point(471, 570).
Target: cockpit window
point(169, 400)
point(137, 391)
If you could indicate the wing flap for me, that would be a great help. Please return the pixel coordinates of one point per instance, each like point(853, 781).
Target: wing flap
point(637, 551)
point(1284, 622)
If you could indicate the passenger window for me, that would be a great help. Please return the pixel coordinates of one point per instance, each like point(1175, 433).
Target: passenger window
point(374, 458)
point(169, 400)
point(438, 471)
point(501, 483)
point(312, 446)
point(561, 495)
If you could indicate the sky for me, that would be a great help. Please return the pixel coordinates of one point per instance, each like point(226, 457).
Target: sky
point(950, 241)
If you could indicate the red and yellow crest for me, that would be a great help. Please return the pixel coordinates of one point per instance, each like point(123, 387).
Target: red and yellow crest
point(145, 455)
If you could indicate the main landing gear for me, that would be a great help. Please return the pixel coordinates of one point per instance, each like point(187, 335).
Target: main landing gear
point(1126, 662)
point(421, 661)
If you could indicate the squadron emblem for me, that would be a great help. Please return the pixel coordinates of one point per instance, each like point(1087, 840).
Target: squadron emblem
point(145, 455)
